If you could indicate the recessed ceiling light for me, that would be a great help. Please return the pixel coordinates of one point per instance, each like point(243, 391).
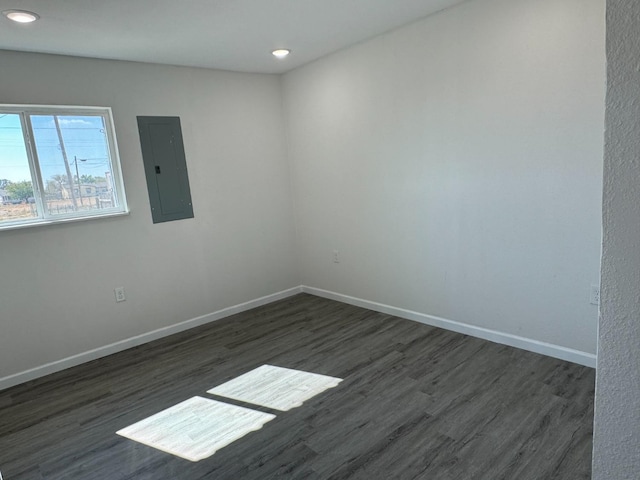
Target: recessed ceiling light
point(281, 53)
point(21, 16)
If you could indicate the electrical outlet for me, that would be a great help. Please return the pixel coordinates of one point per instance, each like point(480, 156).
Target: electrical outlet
point(120, 296)
point(594, 298)
point(336, 256)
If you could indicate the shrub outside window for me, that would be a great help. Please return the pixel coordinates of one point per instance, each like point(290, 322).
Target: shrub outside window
point(58, 164)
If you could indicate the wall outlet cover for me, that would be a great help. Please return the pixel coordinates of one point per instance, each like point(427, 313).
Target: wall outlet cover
point(120, 295)
point(594, 297)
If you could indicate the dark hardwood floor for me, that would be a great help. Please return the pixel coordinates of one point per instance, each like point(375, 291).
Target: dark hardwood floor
point(416, 403)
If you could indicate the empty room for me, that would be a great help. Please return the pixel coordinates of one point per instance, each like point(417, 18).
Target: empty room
point(361, 239)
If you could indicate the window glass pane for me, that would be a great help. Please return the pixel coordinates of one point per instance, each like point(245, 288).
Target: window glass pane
point(16, 189)
point(73, 154)
point(56, 164)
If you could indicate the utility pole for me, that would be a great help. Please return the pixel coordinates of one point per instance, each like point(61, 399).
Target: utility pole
point(75, 160)
point(66, 162)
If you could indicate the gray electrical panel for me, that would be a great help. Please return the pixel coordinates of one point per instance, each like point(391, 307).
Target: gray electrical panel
point(165, 167)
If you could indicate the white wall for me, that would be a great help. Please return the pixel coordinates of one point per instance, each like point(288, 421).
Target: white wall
point(56, 282)
point(456, 164)
point(617, 419)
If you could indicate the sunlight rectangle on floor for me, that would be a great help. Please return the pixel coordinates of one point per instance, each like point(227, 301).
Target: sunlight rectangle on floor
point(274, 387)
point(196, 428)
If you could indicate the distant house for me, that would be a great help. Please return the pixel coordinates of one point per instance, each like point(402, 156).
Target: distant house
point(4, 197)
point(102, 188)
point(99, 193)
point(86, 190)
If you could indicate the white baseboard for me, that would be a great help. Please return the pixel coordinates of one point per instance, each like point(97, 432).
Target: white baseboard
point(555, 351)
point(116, 347)
point(543, 348)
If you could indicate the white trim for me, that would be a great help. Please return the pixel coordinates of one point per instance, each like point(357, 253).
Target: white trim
point(116, 347)
point(555, 351)
point(59, 221)
point(26, 112)
point(551, 350)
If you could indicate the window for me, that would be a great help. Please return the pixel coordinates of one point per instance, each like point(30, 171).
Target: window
point(58, 164)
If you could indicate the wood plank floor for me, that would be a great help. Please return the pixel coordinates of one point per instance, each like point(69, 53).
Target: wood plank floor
point(416, 403)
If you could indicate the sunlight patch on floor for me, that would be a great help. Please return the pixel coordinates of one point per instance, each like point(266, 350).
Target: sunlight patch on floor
point(196, 428)
point(275, 387)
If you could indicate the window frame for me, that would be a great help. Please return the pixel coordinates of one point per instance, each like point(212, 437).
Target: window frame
point(44, 218)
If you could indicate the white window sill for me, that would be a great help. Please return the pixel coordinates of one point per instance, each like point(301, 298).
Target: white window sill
point(58, 221)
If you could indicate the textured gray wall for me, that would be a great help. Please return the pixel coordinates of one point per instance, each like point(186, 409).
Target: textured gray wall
point(617, 421)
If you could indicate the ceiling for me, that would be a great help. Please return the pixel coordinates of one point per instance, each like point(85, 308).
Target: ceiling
point(224, 34)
